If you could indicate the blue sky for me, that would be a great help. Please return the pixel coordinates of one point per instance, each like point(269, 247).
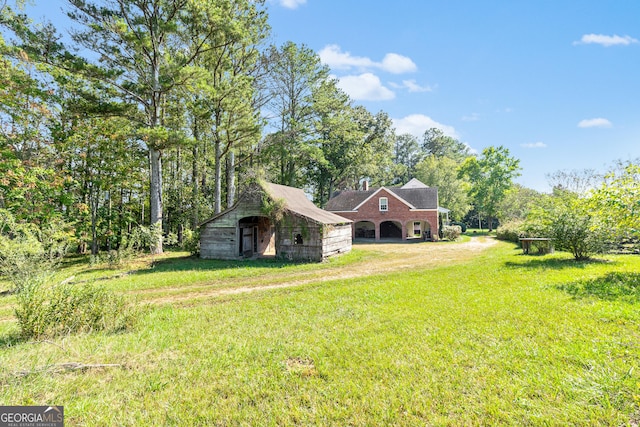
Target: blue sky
point(556, 82)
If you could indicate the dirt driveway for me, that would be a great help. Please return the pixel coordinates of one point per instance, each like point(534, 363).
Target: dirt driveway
point(394, 257)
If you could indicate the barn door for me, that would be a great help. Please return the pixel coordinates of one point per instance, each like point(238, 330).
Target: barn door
point(247, 242)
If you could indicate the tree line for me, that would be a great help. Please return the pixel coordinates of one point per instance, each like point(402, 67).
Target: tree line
point(154, 114)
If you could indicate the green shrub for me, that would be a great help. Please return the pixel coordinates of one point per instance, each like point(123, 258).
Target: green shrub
point(451, 232)
point(143, 238)
point(171, 239)
point(46, 311)
point(462, 225)
point(29, 254)
point(570, 222)
point(511, 231)
point(191, 241)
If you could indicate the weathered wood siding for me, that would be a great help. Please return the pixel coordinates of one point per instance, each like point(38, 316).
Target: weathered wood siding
point(219, 238)
point(218, 242)
point(337, 239)
point(318, 241)
point(286, 232)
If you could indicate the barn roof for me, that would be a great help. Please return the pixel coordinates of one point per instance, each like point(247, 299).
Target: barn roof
point(297, 202)
point(417, 197)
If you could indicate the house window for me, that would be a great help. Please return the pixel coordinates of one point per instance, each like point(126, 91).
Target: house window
point(384, 204)
point(417, 225)
point(298, 239)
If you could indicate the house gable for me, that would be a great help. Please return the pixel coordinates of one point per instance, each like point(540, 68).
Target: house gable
point(370, 208)
point(383, 192)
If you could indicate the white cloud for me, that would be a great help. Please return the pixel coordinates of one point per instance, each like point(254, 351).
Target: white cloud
point(471, 149)
point(291, 4)
point(333, 56)
point(534, 145)
point(474, 117)
point(398, 64)
point(606, 41)
point(412, 86)
point(417, 124)
point(365, 87)
point(595, 123)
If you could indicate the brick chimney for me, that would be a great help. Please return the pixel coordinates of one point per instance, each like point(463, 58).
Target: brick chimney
point(365, 185)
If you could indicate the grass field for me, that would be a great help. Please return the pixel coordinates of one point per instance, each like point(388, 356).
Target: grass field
point(469, 333)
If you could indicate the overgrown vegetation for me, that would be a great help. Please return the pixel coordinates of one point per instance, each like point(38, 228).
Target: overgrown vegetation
point(30, 254)
point(45, 311)
point(29, 258)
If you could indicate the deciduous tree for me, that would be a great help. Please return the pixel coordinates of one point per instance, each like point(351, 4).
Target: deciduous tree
point(490, 175)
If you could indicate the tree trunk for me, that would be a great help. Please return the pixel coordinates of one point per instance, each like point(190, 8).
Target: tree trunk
point(155, 158)
point(109, 221)
point(194, 182)
point(217, 192)
point(231, 178)
point(155, 199)
point(93, 200)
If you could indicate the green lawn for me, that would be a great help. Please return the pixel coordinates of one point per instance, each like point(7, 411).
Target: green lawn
point(494, 338)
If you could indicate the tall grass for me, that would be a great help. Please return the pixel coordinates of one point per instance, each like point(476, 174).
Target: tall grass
point(46, 311)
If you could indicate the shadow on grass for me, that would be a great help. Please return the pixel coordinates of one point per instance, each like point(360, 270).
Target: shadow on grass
point(388, 240)
point(11, 338)
point(474, 232)
point(545, 262)
point(191, 263)
point(73, 260)
point(611, 287)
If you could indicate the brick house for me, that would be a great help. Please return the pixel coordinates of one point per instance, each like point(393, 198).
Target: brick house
point(406, 212)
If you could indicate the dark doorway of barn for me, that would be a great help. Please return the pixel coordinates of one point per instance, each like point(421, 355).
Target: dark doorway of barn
point(256, 237)
point(390, 230)
point(365, 230)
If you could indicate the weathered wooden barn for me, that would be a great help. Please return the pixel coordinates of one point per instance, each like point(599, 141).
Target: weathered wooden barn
point(274, 220)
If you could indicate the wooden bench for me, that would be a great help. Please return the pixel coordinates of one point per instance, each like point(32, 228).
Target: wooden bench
point(544, 244)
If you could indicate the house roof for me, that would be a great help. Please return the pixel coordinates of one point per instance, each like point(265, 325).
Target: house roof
point(416, 197)
point(421, 198)
point(297, 202)
point(415, 183)
point(348, 200)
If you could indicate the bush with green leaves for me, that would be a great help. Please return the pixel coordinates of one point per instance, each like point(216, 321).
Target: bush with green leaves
point(47, 311)
point(143, 238)
point(29, 257)
point(451, 232)
point(511, 231)
point(568, 220)
point(28, 253)
point(191, 241)
point(617, 201)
